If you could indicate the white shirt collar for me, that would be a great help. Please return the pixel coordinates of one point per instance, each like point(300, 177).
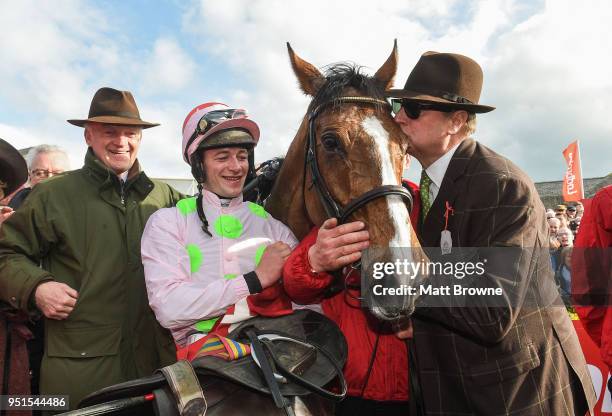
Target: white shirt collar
point(437, 170)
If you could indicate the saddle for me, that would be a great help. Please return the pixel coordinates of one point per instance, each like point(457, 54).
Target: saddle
point(306, 347)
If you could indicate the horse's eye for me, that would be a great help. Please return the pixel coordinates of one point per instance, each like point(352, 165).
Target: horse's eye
point(330, 142)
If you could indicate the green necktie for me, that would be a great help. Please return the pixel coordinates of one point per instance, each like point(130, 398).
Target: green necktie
point(424, 191)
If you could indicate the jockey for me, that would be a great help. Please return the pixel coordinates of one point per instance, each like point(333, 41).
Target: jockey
point(214, 259)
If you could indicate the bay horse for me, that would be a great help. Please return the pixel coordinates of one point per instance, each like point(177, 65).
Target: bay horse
point(346, 161)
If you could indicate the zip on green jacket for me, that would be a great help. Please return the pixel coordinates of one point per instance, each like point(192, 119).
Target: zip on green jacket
point(84, 227)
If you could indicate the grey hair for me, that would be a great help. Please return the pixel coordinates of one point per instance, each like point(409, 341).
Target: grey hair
point(470, 125)
point(565, 230)
point(47, 148)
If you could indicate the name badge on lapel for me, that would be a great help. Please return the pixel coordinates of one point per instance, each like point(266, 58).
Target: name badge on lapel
point(446, 241)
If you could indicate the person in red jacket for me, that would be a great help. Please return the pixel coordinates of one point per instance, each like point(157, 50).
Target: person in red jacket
point(376, 370)
point(592, 273)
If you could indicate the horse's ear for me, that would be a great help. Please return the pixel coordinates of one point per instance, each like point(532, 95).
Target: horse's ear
point(386, 73)
point(309, 77)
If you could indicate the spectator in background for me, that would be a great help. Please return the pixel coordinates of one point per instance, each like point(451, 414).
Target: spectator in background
point(561, 215)
point(563, 273)
point(553, 227)
point(578, 219)
point(574, 226)
point(574, 220)
point(579, 209)
point(14, 377)
point(563, 264)
point(565, 237)
point(44, 161)
point(564, 223)
point(563, 267)
point(550, 213)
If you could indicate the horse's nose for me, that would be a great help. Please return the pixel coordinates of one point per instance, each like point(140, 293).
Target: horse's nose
point(388, 299)
point(392, 312)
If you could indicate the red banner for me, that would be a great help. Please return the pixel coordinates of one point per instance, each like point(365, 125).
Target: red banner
point(572, 183)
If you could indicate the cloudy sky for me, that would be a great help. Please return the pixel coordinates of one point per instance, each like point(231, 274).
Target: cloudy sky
point(546, 65)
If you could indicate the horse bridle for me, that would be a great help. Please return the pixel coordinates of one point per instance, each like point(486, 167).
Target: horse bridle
point(332, 208)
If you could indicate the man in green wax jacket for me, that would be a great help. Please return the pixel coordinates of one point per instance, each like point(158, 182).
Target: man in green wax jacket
point(84, 228)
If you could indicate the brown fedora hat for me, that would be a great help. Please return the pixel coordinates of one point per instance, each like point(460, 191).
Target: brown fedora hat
point(111, 106)
point(13, 168)
point(447, 78)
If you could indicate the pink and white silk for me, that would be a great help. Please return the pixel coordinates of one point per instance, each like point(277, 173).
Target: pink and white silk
point(192, 277)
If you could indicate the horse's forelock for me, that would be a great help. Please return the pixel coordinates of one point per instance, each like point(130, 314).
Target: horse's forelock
point(343, 76)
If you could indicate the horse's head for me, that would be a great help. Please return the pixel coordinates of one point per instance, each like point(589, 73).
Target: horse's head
point(348, 146)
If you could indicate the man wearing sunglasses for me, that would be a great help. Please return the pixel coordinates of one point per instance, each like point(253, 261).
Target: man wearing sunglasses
point(215, 259)
point(521, 356)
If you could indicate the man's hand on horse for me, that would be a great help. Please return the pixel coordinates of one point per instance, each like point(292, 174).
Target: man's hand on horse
point(270, 268)
point(338, 246)
point(55, 300)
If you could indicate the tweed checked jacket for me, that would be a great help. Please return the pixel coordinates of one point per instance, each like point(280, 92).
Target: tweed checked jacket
point(520, 359)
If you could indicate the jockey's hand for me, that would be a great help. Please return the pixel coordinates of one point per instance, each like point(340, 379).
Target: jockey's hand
point(338, 246)
point(404, 330)
point(271, 265)
point(55, 300)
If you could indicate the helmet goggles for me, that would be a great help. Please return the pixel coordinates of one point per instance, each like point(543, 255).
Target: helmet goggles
point(212, 119)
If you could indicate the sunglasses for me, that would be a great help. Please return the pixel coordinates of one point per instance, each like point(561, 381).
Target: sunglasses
point(413, 109)
point(43, 173)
